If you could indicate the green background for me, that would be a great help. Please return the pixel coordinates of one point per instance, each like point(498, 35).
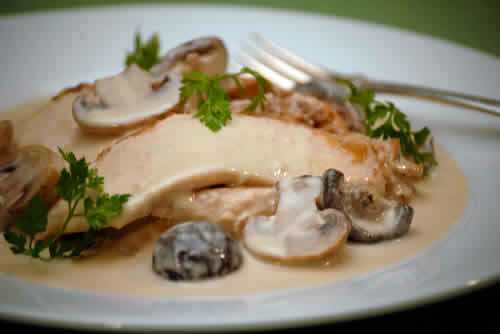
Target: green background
point(471, 23)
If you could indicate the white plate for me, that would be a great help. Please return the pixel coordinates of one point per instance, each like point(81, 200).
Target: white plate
point(41, 53)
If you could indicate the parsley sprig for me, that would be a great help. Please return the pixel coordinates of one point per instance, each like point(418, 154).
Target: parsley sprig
point(384, 120)
point(213, 102)
point(77, 184)
point(145, 54)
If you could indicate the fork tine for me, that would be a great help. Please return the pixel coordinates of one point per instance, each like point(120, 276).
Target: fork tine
point(268, 49)
point(290, 58)
point(276, 64)
point(271, 75)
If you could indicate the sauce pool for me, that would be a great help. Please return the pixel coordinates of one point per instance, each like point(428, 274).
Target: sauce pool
point(439, 203)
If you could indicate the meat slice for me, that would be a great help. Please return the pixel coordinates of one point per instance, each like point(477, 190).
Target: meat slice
point(180, 154)
point(228, 207)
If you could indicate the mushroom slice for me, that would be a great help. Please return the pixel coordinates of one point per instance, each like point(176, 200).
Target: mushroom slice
point(205, 54)
point(332, 183)
point(392, 223)
point(125, 101)
point(373, 217)
point(34, 171)
point(297, 232)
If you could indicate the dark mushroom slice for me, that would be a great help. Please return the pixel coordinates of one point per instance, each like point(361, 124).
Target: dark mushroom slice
point(332, 182)
point(195, 250)
point(205, 54)
point(393, 223)
point(373, 217)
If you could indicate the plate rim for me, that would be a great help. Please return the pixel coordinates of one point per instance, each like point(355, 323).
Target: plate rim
point(425, 299)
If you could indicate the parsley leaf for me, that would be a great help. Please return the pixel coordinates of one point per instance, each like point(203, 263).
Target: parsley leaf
point(213, 102)
point(77, 183)
point(214, 111)
point(194, 83)
point(32, 221)
point(146, 54)
point(262, 83)
point(213, 107)
point(16, 241)
point(34, 218)
point(384, 120)
point(105, 207)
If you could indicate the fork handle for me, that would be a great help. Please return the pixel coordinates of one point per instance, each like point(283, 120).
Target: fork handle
point(414, 90)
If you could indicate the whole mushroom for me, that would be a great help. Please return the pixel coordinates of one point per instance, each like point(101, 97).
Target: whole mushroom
point(373, 217)
point(195, 250)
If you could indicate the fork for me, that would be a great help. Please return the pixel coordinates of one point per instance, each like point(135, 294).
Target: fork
point(291, 72)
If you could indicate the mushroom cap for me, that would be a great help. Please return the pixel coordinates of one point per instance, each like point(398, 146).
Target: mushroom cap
point(205, 54)
point(34, 171)
point(297, 232)
point(315, 238)
point(126, 101)
point(194, 251)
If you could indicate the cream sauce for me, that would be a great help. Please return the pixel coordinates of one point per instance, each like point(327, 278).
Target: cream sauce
point(438, 206)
